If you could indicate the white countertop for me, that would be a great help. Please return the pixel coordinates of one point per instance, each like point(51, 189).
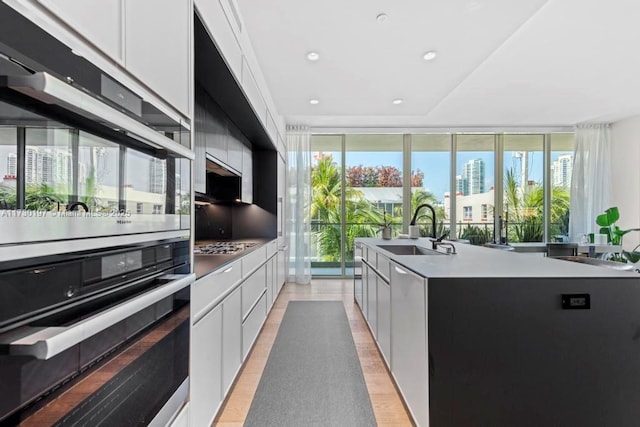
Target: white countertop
point(476, 261)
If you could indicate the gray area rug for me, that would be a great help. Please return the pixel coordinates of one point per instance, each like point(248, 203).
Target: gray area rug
point(313, 375)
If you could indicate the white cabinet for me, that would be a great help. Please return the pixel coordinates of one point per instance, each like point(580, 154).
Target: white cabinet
point(99, 21)
point(252, 288)
point(372, 301)
point(282, 268)
point(231, 338)
point(158, 47)
point(206, 368)
point(252, 325)
point(218, 24)
point(271, 291)
point(206, 289)
point(182, 419)
point(247, 175)
point(234, 148)
point(384, 319)
point(252, 92)
point(409, 346)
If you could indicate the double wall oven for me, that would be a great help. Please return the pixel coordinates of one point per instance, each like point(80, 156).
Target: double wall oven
point(95, 217)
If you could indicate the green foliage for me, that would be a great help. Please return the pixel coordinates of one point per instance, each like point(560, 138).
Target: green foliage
point(607, 222)
point(525, 209)
point(42, 197)
point(475, 235)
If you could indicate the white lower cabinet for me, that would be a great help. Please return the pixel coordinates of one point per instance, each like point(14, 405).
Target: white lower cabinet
point(252, 288)
point(252, 325)
point(231, 338)
point(271, 295)
point(384, 319)
point(206, 368)
point(372, 302)
point(409, 346)
point(182, 419)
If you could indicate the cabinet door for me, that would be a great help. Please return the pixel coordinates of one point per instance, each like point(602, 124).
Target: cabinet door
point(372, 302)
point(218, 24)
point(247, 175)
point(365, 286)
point(99, 21)
point(270, 293)
point(234, 147)
point(282, 272)
point(409, 346)
point(206, 368)
point(158, 47)
point(199, 145)
point(384, 319)
point(217, 133)
point(231, 339)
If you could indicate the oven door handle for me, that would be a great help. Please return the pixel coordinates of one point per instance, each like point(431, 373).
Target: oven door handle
point(45, 343)
point(50, 90)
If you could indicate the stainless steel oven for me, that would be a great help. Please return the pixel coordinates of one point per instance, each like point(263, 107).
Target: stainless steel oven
point(82, 156)
point(99, 338)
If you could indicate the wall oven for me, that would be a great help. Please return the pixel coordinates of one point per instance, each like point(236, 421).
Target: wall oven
point(81, 156)
point(95, 270)
point(99, 338)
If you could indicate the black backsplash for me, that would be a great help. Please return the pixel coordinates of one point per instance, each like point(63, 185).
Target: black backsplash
point(213, 222)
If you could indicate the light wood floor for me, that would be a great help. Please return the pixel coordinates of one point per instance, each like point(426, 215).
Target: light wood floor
point(386, 402)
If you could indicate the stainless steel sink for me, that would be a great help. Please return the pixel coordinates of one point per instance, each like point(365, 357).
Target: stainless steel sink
point(598, 262)
point(409, 250)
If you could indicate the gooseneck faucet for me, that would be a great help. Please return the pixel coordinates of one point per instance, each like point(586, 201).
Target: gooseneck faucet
point(433, 217)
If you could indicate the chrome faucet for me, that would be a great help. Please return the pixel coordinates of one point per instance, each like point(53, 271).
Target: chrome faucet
point(433, 217)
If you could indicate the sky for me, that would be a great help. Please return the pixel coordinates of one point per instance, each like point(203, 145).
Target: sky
point(436, 165)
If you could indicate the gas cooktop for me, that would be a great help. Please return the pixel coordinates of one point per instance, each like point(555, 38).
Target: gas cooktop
point(222, 248)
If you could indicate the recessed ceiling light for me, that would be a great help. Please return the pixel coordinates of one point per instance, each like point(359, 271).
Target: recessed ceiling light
point(428, 56)
point(314, 101)
point(313, 56)
point(383, 17)
point(398, 101)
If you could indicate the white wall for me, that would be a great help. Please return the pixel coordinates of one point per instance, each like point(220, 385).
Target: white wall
point(625, 136)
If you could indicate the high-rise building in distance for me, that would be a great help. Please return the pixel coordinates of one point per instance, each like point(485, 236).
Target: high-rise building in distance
point(561, 170)
point(471, 181)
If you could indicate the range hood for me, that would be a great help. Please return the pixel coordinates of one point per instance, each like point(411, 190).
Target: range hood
point(219, 169)
point(223, 184)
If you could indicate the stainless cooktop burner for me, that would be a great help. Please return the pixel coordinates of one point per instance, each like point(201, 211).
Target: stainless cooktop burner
point(222, 248)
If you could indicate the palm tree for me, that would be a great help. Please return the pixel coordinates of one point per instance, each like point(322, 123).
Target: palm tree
point(420, 197)
point(525, 208)
point(362, 219)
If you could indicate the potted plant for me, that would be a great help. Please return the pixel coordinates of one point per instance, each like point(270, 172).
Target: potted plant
point(386, 226)
point(607, 222)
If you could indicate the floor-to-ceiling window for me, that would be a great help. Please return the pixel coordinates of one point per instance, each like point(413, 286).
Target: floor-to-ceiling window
point(430, 180)
point(326, 205)
point(560, 170)
point(523, 188)
point(373, 187)
point(475, 194)
point(473, 181)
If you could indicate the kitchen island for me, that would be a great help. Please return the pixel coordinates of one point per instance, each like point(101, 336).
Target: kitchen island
point(490, 337)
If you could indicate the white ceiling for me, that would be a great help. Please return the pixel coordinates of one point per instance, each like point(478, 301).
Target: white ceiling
point(500, 62)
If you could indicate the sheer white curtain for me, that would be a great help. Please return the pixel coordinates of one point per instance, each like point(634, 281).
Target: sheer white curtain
point(299, 182)
point(591, 178)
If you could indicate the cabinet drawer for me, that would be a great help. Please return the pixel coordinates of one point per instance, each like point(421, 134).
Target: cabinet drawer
point(252, 260)
point(252, 288)
point(252, 325)
point(272, 247)
point(206, 289)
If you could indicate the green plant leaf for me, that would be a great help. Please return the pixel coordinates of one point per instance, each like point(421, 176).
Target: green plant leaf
point(603, 220)
point(632, 256)
point(613, 214)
